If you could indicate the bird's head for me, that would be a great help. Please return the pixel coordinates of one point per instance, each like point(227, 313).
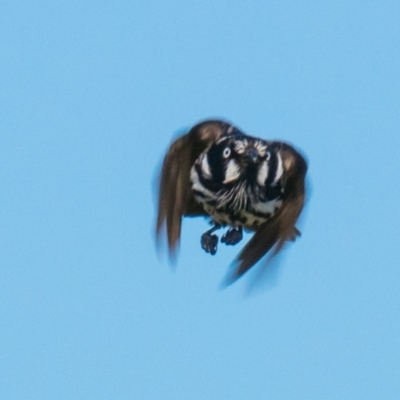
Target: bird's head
point(236, 157)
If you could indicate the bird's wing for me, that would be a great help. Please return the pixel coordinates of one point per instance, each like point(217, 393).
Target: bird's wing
point(281, 227)
point(175, 195)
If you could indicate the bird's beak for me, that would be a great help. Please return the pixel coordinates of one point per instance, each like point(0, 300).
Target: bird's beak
point(252, 154)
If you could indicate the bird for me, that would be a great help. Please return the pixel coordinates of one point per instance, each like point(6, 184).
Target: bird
point(236, 181)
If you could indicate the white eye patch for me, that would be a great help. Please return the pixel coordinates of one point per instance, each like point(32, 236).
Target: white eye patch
point(205, 167)
point(240, 146)
point(262, 173)
point(279, 170)
point(261, 148)
point(232, 172)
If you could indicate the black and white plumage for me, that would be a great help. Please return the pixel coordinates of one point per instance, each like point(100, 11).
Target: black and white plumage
point(237, 181)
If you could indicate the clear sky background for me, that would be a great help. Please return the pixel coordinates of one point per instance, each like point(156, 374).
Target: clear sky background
point(91, 95)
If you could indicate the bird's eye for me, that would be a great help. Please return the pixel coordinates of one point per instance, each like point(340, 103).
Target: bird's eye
point(227, 152)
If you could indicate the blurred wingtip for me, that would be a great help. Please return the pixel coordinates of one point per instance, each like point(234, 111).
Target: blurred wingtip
point(263, 272)
point(227, 281)
point(164, 251)
point(232, 275)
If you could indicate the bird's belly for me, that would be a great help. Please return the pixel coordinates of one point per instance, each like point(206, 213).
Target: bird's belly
point(248, 219)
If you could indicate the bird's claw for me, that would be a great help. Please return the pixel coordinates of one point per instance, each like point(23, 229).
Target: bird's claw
point(209, 243)
point(232, 236)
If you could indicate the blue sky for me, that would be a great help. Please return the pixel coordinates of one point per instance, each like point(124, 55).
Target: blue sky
point(92, 94)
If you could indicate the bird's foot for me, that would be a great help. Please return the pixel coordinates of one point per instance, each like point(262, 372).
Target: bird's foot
point(232, 236)
point(209, 242)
